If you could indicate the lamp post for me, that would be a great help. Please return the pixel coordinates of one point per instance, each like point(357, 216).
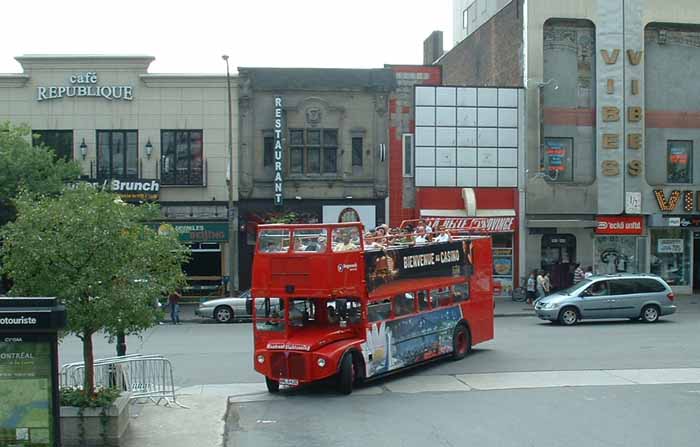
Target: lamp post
point(232, 212)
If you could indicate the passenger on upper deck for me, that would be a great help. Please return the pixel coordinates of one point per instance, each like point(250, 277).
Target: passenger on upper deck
point(443, 235)
point(345, 243)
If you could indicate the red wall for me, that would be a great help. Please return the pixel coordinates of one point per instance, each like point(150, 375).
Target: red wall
point(451, 198)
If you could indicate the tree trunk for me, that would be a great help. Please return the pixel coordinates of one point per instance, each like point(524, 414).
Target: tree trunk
point(89, 361)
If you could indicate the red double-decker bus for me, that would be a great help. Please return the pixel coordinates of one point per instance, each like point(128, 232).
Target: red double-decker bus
point(327, 306)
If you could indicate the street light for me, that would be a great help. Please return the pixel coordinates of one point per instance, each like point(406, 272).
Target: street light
point(232, 212)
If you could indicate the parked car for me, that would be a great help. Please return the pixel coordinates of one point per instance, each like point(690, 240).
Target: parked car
point(227, 310)
point(625, 295)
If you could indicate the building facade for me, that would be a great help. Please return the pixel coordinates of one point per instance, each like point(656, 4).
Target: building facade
point(611, 131)
point(313, 148)
point(147, 136)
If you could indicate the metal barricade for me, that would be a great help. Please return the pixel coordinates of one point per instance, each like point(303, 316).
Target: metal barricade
point(144, 376)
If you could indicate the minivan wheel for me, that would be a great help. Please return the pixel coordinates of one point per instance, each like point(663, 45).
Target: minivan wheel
point(223, 314)
point(568, 316)
point(650, 313)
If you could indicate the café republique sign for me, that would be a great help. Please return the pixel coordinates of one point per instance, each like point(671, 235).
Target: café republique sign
point(85, 85)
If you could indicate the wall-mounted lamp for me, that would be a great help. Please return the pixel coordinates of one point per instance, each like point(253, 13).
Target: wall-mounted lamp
point(83, 149)
point(149, 148)
point(543, 84)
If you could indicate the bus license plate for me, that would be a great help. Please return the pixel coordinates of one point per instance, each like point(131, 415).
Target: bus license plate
point(289, 382)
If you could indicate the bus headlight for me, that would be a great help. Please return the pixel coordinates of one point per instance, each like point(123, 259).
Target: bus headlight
point(261, 359)
point(321, 363)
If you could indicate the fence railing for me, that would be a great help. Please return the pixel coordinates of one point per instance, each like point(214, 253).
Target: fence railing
point(144, 376)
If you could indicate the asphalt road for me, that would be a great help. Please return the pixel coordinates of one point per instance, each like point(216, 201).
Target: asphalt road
point(208, 353)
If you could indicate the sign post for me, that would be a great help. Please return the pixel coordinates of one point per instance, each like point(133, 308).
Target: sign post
point(29, 406)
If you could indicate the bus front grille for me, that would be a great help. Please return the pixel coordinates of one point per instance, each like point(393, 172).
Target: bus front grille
point(288, 365)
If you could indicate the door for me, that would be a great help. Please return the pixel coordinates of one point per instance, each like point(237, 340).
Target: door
point(596, 300)
point(626, 296)
point(558, 255)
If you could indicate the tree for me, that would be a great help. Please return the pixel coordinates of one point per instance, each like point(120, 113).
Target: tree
point(24, 166)
point(98, 256)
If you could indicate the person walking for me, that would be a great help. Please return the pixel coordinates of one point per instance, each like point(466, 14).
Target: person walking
point(531, 287)
point(540, 284)
point(547, 284)
point(578, 274)
point(174, 302)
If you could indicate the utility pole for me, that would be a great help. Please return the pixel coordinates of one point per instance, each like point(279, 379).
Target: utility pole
point(232, 212)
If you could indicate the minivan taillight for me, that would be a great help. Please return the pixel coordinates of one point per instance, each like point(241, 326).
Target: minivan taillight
point(671, 296)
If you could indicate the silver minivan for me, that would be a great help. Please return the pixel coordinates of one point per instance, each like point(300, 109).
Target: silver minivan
point(624, 295)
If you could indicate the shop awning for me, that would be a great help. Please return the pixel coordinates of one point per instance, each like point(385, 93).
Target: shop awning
point(565, 223)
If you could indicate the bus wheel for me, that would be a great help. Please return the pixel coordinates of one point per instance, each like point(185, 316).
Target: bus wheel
point(273, 386)
point(461, 343)
point(346, 374)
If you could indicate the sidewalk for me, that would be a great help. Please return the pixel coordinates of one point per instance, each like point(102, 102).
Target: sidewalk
point(505, 307)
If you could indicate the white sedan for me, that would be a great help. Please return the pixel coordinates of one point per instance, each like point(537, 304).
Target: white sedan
point(227, 310)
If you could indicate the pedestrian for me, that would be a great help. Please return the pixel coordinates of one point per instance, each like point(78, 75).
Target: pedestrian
point(578, 274)
point(547, 284)
point(174, 301)
point(588, 273)
point(540, 284)
point(531, 287)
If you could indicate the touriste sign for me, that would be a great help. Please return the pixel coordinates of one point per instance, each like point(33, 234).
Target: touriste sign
point(619, 225)
point(82, 85)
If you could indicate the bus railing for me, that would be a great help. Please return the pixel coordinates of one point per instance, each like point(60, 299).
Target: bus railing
point(143, 376)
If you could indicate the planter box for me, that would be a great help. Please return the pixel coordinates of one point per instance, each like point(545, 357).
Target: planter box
point(118, 422)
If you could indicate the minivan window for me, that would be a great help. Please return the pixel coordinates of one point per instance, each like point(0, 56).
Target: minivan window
point(597, 289)
point(646, 285)
point(624, 287)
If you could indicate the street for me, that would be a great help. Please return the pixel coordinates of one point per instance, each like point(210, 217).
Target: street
point(597, 383)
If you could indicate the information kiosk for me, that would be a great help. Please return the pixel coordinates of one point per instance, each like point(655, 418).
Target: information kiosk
point(29, 403)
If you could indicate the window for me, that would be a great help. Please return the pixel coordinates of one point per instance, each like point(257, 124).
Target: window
point(343, 311)
point(346, 239)
point(649, 285)
point(558, 159)
point(269, 314)
point(310, 240)
point(408, 155)
point(461, 292)
point(61, 141)
point(117, 153)
point(313, 151)
point(404, 304)
point(440, 297)
point(274, 241)
point(357, 151)
point(423, 303)
point(624, 287)
point(680, 161)
point(181, 157)
point(301, 312)
point(465, 22)
point(380, 310)
point(268, 151)
point(597, 289)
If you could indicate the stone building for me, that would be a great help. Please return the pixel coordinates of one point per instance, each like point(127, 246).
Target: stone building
point(313, 147)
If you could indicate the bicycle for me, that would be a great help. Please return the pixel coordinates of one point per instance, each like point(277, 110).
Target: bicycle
point(519, 294)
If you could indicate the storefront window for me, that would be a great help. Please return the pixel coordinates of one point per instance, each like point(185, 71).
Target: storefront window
point(558, 159)
point(503, 262)
point(670, 255)
point(181, 157)
point(618, 254)
point(679, 161)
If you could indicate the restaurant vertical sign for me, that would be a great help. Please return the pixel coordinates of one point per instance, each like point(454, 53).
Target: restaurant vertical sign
point(278, 150)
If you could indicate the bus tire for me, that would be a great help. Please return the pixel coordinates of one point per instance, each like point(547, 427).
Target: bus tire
point(273, 386)
point(346, 374)
point(461, 342)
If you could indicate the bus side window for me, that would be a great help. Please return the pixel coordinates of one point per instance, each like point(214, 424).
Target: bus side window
point(404, 304)
point(379, 310)
point(440, 297)
point(460, 292)
point(423, 303)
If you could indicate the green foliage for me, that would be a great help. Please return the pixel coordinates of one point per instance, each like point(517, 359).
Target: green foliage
point(30, 168)
point(76, 397)
point(97, 256)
